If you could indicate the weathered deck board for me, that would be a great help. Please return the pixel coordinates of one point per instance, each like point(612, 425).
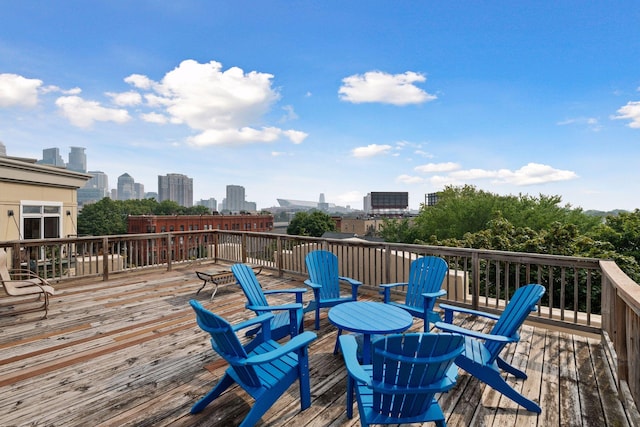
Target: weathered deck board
point(128, 352)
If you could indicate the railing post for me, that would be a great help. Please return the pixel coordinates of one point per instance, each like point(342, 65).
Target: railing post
point(105, 258)
point(387, 264)
point(243, 247)
point(169, 251)
point(279, 257)
point(475, 282)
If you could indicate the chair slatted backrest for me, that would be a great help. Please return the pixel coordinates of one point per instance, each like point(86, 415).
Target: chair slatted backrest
point(225, 342)
point(322, 267)
point(409, 369)
point(250, 285)
point(425, 275)
point(4, 269)
point(523, 302)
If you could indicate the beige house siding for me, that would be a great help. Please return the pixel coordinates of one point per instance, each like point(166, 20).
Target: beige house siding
point(22, 180)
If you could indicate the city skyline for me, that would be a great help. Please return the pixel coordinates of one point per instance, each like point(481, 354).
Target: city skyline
point(291, 99)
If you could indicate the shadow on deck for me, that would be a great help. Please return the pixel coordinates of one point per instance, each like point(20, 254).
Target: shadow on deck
point(128, 352)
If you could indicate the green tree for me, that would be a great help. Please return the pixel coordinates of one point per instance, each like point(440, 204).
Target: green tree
point(313, 223)
point(104, 217)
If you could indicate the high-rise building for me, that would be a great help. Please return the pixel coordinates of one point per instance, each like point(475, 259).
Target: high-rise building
point(77, 160)
point(366, 203)
point(139, 190)
point(3, 150)
point(51, 156)
point(209, 203)
point(97, 188)
point(235, 198)
point(176, 187)
point(126, 189)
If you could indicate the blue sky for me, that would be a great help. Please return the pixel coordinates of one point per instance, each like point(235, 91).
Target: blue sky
point(291, 99)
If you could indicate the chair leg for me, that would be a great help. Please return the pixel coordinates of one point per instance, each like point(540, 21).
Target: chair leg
point(224, 383)
point(349, 397)
point(317, 317)
point(303, 376)
point(510, 369)
point(493, 379)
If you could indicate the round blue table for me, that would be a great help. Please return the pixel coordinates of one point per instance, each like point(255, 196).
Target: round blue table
point(369, 318)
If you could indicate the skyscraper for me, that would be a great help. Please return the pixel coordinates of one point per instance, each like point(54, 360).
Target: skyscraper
point(235, 198)
point(97, 188)
point(126, 189)
point(176, 187)
point(209, 203)
point(77, 160)
point(139, 190)
point(51, 156)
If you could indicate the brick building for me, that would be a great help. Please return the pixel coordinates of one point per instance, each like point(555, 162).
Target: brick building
point(138, 224)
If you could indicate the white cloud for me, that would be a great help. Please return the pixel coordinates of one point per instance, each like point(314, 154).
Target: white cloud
point(370, 150)
point(376, 86)
point(244, 135)
point(53, 88)
point(139, 81)
point(226, 107)
point(631, 111)
point(437, 167)
point(125, 99)
point(532, 173)
point(84, 113)
point(154, 118)
point(408, 179)
point(290, 114)
point(16, 90)
point(591, 122)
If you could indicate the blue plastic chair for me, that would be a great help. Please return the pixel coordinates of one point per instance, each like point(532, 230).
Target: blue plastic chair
point(481, 357)
point(288, 318)
point(407, 371)
point(263, 368)
point(426, 275)
point(324, 279)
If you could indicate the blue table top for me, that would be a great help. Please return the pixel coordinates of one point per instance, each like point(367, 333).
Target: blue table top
point(367, 317)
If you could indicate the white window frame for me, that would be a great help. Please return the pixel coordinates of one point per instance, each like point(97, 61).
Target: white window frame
point(42, 215)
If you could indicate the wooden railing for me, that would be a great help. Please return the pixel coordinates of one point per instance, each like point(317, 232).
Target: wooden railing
point(583, 294)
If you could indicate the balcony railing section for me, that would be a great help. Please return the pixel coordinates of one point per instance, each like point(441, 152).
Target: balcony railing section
point(584, 294)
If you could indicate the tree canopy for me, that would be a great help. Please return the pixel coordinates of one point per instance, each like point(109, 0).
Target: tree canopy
point(314, 223)
point(471, 218)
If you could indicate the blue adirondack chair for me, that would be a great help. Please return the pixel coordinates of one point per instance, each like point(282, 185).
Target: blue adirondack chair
point(481, 357)
point(263, 368)
point(407, 371)
point(324, 279)
point(288, 318)
point(423, 288)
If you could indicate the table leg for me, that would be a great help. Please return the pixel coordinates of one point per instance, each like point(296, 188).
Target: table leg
point(366, 349)
point(335, 349)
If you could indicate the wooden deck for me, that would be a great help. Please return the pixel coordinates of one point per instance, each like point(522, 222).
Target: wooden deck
point(128, 352)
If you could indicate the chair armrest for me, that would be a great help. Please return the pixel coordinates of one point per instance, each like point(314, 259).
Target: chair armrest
point(447, 327)
point(293, 306)
point(393, 285)
point(453, 308)
point(440, 293)
point(263, 318)
point(314, 286)
point(295, 343)
point(26, 272)
point(285, 291)
point(386, 290)
point(352, 282)
point(349, 347)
